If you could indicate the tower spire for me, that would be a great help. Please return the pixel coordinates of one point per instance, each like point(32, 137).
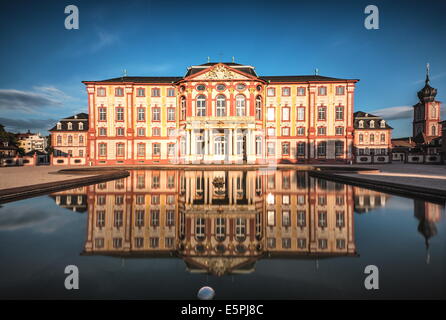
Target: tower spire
point(427, 73)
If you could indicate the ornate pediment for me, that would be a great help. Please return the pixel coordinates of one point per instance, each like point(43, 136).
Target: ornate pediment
point(220, 72)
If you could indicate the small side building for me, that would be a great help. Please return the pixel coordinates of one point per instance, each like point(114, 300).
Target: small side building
point(372, 138)
point(69, 140)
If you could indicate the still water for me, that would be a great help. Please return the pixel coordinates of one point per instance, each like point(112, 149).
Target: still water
point(161, 234)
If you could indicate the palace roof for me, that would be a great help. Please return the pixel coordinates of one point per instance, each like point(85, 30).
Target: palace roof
point(247, 69)
point(366, 118)
point(75, 119)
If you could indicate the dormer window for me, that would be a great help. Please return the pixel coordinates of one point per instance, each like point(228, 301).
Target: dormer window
point(361, 123)
point(81, 126)
point(70, 126)
point(383, 123)
point(59, 126)
point(372, 124)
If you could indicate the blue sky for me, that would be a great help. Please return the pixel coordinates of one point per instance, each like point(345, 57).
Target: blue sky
point(42, 64)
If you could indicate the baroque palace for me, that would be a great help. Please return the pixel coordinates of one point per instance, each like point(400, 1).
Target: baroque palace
point(220, 113)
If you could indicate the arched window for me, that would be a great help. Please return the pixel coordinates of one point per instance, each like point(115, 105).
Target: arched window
point(240, 103)
point(70, 126)
point(81, 126)
point(59, 126)
point(201, 105)
point(372, 123)
point(433, 112)
point(183, 107)
point(258, 108)
point(221, 106)
point(434, 131)
point(361, 123)
point(220, 145)
point(383, 123)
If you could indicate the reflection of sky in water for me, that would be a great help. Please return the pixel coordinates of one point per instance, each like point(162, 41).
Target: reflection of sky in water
point(38, 239)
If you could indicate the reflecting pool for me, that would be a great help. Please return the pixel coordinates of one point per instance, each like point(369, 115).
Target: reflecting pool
point(253, 234)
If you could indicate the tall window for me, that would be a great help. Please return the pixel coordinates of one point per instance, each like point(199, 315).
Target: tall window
point(101, 92)
point(271, 149)
point(301, 91)
point(340, 91)
point(361, 138)
point(434, 131)
point(322, 91)
point(220, 145)
point(102, 114)
point(339, 112)
point(239, 144)
point(258, 145)
point(141, 114)
point(199, 144)
point(270, 114)
point(171, 92)
point(220, 229)
point(301, 148)
point(259, 108)
point(372, 138)
point(200, 228)
point(119, 92)
point(300, 114)
point(183, 108)
point(59, 140)
point(286, 92)
point(339, 131)
point(221, 106)
point(156, 149)
point(120, 114)
point(81, 126)
point(170, 114)
point(119, 149)
point(383, 137)
point(285, 114)
point(102, 149)
point(339, 148)
point(155, 92)
point(240, 229)
point(240, 102)
point(141, 149)
point(119, 131)
point(140, 92)
point(321, 113)
point(322, 148)
point(285, 148)
point(201, 105)
point(156, 114)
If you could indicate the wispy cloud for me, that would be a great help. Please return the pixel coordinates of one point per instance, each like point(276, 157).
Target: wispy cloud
point(25, 124)
point(432, 77)
point(394, 113)
point(399, 112)
point(104, 39)
point(31, 101)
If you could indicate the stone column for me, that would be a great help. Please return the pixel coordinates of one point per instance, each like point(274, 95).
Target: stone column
point(188, 143)
point(206, 142)
point(230, 144)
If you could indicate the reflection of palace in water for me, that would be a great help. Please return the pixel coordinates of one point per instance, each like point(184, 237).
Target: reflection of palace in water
point(220, 222)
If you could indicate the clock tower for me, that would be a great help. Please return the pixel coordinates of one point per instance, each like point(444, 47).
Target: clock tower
point(426, 115)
